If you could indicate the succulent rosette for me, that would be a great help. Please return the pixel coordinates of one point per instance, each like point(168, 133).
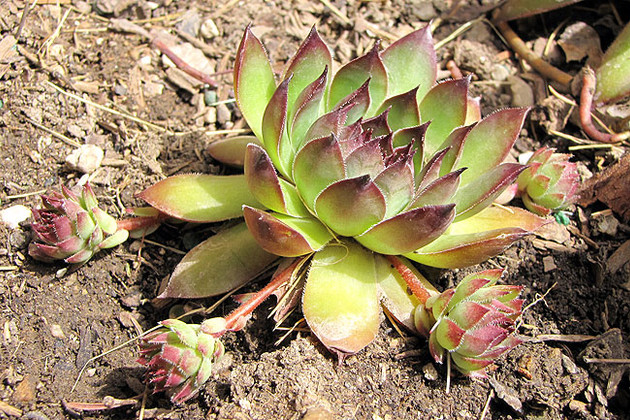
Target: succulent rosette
point(474, 323)
point(346, 169)
point(550, 182)
point(180, 356)
point(73, 227)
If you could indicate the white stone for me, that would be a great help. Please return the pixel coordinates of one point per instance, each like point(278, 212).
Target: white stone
point(14, 215)
point(86, 158)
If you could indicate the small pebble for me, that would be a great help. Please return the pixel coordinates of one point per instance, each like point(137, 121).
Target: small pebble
point(430, 373)
point(75, 130)
point(19, 239)
point(56, 331)
point(209, 29)
point(318, 413)
point(223, 114)
point(548, 264)
point(245, 404)
point(14, 215)
point(86, 158)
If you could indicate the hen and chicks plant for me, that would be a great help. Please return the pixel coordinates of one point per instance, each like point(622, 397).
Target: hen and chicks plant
point(349, 177)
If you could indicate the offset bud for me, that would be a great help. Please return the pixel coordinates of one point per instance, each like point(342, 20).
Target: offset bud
point(474, 322)
point(550, 182)
point(180, 356)
point(73, 228)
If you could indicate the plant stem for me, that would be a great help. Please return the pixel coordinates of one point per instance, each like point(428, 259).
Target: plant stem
point(413, 282)
point(235, 317)
point(182, 65)
point(589, 83)
point(142, 222)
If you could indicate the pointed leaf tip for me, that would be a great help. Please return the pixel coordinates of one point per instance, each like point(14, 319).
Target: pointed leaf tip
point(285, 235)
point(413, 51)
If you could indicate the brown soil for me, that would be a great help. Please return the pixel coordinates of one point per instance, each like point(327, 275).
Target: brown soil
point(53, 321)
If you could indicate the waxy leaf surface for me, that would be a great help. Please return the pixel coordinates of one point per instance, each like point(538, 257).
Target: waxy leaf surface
point(222, 262)
point(231, 151)
point(489, 142)
point(308, 63)
point(285, 235)
point(340, 302)
point(411, 62)
point(254, 82)
point(445, 106)
point(200, 198)
point(351, 76)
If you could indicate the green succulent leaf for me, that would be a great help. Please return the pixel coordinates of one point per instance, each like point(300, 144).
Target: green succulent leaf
point(222, 262)
point(262, 179)
point(365, 159)
point(309, 62)
point(516, 9)
point(612, 75)
point(474, 240)
point(317, 165)
point(458, 251)
point(254, 82)
point(200, 198)
point(231, 151)
point(340, 302)
point(275, 136)
point(498, 217)
point(409, 230)
point(351, 76)
point(330, 123)
point(285, 235)
point(114, 240)
point(307, 109)
point(431, 171)
point(480, 193)
point(403, 110)
point(378, 124)
point(396, 183)
point(445, 106)
point(492, 138)
point(411, 62)
point(270, 190)
point(356, 103)
point(440, 191)
point(351, 206)
point(408, 135)
point(454, 143)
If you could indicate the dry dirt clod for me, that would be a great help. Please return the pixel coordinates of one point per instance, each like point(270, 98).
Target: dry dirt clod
point(607, 346)
point(507, 394)
point(25, 391)
point(318, 413)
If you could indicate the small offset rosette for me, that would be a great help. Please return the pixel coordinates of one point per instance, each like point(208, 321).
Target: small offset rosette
point(73, 228)
point(550, 182)
point(473, 323)
point(180, 356)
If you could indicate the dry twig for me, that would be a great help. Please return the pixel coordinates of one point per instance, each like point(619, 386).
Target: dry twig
point(544, 68)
